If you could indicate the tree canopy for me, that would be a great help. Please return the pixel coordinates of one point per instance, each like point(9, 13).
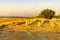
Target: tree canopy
point(47, 13)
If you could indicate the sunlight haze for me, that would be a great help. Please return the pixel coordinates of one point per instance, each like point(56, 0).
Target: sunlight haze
point(27, 7)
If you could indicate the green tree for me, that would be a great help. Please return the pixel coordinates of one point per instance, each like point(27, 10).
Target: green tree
point(47, 13)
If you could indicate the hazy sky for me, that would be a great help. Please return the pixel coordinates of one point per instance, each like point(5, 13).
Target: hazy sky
point(27, 7)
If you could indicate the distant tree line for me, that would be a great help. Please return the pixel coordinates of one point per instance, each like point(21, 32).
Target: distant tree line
point(57, 16)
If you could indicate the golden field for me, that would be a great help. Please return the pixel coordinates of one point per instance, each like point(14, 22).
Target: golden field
point(25, 28)
point(32, 24)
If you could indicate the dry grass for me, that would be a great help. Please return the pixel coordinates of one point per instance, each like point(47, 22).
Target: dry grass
point(29, 29)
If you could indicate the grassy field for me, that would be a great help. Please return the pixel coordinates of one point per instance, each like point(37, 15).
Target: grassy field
point(29, 29)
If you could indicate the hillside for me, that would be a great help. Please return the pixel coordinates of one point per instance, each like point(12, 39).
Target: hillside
point(32, 29)
point(34, 24)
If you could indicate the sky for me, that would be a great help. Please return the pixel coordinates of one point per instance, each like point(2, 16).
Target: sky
point(27, 8)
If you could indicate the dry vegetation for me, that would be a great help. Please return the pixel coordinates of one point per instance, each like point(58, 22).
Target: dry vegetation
point(29, 29)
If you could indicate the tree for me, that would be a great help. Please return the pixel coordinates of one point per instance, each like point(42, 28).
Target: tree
point(47, 13)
